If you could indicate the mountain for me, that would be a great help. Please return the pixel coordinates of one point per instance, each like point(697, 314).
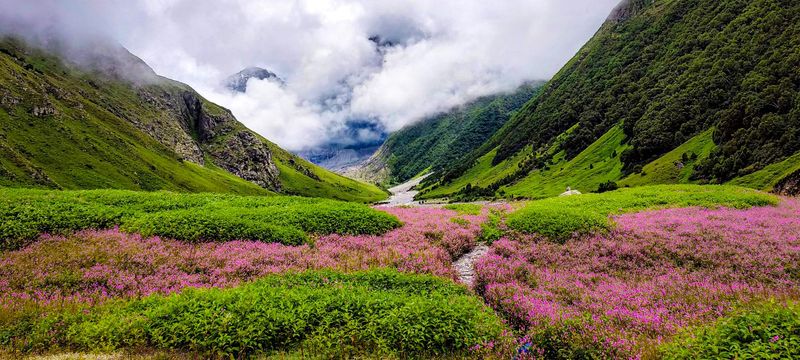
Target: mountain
point(438, 141)
point(666, 91)
point(101, 118)
point(238, 82)
point(352, 144)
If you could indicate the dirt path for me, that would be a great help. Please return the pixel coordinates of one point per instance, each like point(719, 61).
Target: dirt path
point(465, 266)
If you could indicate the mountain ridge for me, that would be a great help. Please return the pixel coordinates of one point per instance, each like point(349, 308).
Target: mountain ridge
point(106, 117)
point(664, 71)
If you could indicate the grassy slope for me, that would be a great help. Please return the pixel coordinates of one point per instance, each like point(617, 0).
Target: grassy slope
point(575, 173)
point(595, 165)
point(85, 146)
point(330, 185)
point(443, 139)
point(89, 144)
point(664, 170)
point(670, 73)
point(768, 177)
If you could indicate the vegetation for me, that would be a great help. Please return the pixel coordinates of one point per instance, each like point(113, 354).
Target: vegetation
point(563, 217)
point(321, 314)
point(715, 76)
point(766, 331)
point(25, 214)
point(442, 140)
point(89, 130)
point(469, 209)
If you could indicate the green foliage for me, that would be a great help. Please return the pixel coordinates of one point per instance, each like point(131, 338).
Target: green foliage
point(670, 71)
point(766, 331)
point(442, 140)
point(607, 186)
point(562, 217)
point(491, 228)
point(323, 314)
point(104, 134)
point(676, 166)
point(465, 209)
point(24, 214)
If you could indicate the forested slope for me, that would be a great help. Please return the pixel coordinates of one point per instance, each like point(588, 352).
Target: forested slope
point(665, 72)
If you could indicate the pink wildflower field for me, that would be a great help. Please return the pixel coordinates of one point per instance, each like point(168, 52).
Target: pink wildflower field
point(657, 272)
point(624, 291)
point(91, 266)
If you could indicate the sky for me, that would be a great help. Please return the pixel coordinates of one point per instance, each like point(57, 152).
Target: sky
point(387, 62)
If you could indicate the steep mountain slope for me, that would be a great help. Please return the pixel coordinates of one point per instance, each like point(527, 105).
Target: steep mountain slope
point(438, 141)
point(664, 72)
point(104, 119)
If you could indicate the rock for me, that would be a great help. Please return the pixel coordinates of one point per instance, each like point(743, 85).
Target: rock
point(43, 110)
point(570, 193)
point(465, 266)
point(238, 82)
point(789, 185)
point(626, 9)
point(248, 157)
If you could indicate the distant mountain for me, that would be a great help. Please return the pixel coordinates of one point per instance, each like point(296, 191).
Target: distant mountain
point(238, 82)
point(438, 141)
point(665, 92)
point(352, 144)
point(104, 119)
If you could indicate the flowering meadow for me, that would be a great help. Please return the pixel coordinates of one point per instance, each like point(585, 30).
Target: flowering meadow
point(622, 293)
point(93, 265)
point(642, 286)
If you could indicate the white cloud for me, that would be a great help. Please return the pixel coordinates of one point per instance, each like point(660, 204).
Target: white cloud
point(447, 52)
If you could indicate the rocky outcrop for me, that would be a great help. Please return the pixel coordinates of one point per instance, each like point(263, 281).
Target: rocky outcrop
point(789, 185)
point(626, 9)
point(374, 170)
point(246, 156)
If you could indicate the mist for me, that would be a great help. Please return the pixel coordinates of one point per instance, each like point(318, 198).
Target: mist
point(391, 63)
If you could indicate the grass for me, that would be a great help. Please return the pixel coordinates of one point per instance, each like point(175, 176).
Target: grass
point(320, 314)
point(27, 213)
point(465, 209)
point(595, 165)
point(768, 177)
point(766, 331)
point(108, 134)
point(322, 183)
point(563, 217)
point(666, 169)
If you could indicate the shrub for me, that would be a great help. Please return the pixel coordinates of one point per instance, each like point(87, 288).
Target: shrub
point(561, 217)
point(24, 214)
point(767, 331)
point(327, 314)
point(465, 209)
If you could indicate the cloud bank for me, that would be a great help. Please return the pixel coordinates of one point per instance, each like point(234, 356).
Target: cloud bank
point(388, 62)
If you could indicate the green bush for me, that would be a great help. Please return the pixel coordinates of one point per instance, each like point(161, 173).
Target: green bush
point(24, 214)
point(767, 331)
point(465, 209)
point(561, 217)
point(327, 314)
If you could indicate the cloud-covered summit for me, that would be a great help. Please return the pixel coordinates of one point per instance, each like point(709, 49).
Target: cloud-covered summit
point(343, 61)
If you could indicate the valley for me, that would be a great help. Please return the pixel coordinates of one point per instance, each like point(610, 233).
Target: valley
point(641, 203)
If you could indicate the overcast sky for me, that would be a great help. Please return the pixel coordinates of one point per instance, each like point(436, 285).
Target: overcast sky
point(444, 52)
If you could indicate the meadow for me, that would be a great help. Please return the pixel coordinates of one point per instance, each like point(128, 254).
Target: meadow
point(27, 213)
point(672, 272)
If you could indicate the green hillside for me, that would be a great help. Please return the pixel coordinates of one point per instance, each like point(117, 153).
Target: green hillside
point(442, 140)
point(716, 80)
point(121, 126)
